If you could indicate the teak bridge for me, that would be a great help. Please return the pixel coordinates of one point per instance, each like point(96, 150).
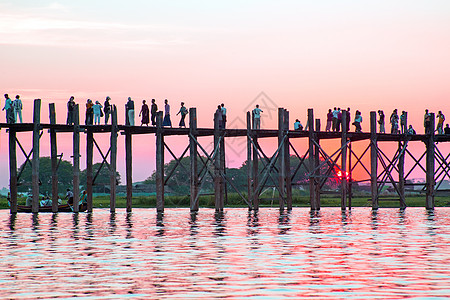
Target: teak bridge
point(384, 169)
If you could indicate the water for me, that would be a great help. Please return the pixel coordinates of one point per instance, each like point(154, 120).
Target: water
point(389, 254)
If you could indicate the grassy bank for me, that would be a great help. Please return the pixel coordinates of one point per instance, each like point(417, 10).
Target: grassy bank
point(234, 200)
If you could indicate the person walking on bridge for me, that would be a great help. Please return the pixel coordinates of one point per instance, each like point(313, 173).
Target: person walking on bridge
point(70, 111)
point(167, 121)
point(394, 122)
point(9, 109)
point(153, 111)
point(427, 122)
point(17, 104)
point(381, 121)
point(440, 124)
point(107, 109)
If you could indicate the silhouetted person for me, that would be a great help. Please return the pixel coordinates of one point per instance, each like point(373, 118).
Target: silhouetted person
point(427, 122)
point(166, 120)
point(357, 121)
point(130, 111)
point(394, 122)
point(107, 109)
point(153, 110)
point(224, 115)
point(403, 122)
point(70, 111)
point(381, 121)
point(298, 125)
point(9, 109)
point(335, 118)
point(329, 120)
point(89, 112)
point(144, 113)
point(440, 123)
point(257, 117)
point(218, 114)
point(183, 111)
point(410, 130)
point(447, 129)
point(97, 109)
point(17, 104)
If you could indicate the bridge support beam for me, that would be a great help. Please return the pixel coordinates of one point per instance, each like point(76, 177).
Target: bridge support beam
point(430, 180)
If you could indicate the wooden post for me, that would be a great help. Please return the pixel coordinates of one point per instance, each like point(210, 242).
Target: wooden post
point(312, 193)
point(113, 160)
point(255, 167)
point(373, 159)
point(159, 163)
point(344, 161)
point(89, 167)
point(287, 164)
point(316, 164)
point(13, 170)
point(430, 181)
point(223, 186)
point(281, 158)
point(54, 158)
point(35, 159)
point(129, 168)
point(249, 160)
point(76, 159)
point(193, 157)
point(350, 181)
point(217, 165)
point(401, 173)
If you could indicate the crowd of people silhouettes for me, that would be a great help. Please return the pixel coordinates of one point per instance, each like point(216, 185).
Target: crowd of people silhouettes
point(95, 111)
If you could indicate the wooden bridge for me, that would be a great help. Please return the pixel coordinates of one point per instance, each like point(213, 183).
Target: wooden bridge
point(383, 170)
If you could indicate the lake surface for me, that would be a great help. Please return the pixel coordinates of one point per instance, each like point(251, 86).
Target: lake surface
point(357, 254)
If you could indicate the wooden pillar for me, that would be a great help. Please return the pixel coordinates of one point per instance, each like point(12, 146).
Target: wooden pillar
point(287, 164)
point(373, 159)
point(255, 171)
point(35, 159)
point(249, 160)
point(113, 160)
point(89, 167)
point(223, 187)
point(315, 205)
point(430, 180)
point(401, 165)
point(159, 163)
point(350, 181)
point(193, 157)
point(316, 164)
point(54, 158)
point(218, 195)
point(76, 159)
point(129, 168)
point(13, 170)
point(401, 173)
point(344, 161)
point(281, 158)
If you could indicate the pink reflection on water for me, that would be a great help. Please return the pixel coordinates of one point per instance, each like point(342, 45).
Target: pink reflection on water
point(240, 254)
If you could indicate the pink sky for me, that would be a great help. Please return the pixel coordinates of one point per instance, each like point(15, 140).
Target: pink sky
point(301, 54)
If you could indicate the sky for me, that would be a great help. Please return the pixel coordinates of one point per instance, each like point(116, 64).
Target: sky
point(366, 55)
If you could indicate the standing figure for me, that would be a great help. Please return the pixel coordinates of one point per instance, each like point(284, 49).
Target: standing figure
point(394, 122)
point(183, 111)
point(329, 120)
point(218, 114)
point(381, 121)
point(71, 111)
point(153, 111)
point(166, 121)
point(403, 122)
point(440, 124)
point(357, 122)
point(224, 115)
point(335, 118)
point(107, 109)
point(348, 118)
point(17, 104)
point(89, 112)
point(144, 113)
point(257, 117)
point(339, 120)
point(9, 109)
point(427, 122)
point(97, 109)
point(130, 111)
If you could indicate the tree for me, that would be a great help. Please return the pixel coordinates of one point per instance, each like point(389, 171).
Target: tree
point(65, 176)
point(102, 181)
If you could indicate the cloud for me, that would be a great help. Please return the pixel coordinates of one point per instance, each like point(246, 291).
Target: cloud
point(36, 30)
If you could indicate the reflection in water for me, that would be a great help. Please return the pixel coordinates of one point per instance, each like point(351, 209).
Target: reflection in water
point(267, 254)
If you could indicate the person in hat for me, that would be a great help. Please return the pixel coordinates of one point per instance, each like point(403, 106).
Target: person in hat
point(97, 112)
